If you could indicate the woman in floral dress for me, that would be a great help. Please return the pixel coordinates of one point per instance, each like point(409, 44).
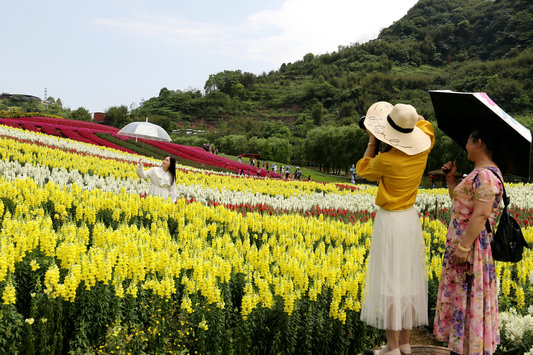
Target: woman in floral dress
point(467, 305)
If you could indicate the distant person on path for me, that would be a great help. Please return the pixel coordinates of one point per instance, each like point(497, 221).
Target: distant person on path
point(466, 315)
point(163, 178)
point(395, 296)
point(239, 159)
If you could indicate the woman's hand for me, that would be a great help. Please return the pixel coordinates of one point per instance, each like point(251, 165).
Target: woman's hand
point(460, 255)
point(449, 169)
point(372, 144)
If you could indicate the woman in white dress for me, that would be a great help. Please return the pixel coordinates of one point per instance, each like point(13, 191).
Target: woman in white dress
point(395, 295)
point(163, 178)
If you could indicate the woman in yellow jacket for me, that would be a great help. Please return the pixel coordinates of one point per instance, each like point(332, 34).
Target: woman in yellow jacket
point(395, 295)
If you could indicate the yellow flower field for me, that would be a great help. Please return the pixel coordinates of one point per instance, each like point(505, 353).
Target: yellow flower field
point(106, 270)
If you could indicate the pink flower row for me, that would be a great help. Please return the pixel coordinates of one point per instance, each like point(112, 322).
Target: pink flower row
point(60, 122)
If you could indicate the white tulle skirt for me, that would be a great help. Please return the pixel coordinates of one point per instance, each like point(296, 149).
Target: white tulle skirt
point(396, 292)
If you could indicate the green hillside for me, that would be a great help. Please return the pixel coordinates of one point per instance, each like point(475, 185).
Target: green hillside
point(468, 45)
point(313, 104)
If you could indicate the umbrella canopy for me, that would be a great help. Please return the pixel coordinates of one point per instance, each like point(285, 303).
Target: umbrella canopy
point(458, 113)
point(145, 130)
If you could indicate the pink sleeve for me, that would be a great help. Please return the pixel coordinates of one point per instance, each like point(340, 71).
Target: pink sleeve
point(486, 186)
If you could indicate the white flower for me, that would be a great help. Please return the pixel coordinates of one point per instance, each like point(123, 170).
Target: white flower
point(514, 325)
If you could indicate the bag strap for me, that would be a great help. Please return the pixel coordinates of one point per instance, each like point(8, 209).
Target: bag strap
point(506, 200)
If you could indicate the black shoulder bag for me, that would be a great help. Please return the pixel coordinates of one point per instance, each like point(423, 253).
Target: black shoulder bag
point(508, 242)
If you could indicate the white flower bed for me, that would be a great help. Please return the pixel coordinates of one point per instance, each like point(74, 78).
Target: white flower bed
point(514, 326)
point(427, 200)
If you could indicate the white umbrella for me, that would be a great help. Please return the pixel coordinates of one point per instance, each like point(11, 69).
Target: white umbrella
point(145, 130)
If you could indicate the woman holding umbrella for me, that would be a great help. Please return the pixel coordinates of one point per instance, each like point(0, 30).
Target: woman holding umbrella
point(163, 178)
point(467, 304)
point(395, 296)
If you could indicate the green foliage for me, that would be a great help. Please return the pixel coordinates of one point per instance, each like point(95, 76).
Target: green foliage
point(117, 116)
point(274, 129)
point(16, 114)
point(336, 148)
point(164, 121)
point(81, 114)
point(298, 155)
point(231, 83)
point(27, 106)
point(11, 328)
point(317, 113)
point(280, 150)
point(232, 144)
point(193, 141)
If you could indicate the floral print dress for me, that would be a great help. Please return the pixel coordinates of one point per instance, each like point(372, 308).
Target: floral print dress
point(466, 316)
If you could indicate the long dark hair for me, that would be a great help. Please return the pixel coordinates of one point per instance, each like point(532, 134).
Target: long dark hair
point(496, 148)
point(172, 168)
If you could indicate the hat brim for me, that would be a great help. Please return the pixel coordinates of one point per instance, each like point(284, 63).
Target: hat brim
point(410, 143)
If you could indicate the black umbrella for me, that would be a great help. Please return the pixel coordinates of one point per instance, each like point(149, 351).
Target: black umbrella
point(459, 112)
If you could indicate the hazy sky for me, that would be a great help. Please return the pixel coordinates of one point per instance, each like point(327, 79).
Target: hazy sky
point(104, 53)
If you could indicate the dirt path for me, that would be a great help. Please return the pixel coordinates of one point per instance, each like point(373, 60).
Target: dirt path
point(423, 337)
point(422, 343)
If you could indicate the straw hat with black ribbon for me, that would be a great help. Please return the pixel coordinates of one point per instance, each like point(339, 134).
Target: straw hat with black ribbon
point(396, 126)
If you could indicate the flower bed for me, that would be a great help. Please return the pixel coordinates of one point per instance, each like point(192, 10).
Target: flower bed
point(246, 265)
point(84, 132)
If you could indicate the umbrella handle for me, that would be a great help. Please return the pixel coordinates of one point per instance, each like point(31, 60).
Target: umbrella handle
point(446, 171)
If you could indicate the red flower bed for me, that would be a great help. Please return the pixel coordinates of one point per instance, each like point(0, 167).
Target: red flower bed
point(340, 214)
point(30, 127)
point(10, 124)
point(347, 187)
point(50, 130)
point(72, 134)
